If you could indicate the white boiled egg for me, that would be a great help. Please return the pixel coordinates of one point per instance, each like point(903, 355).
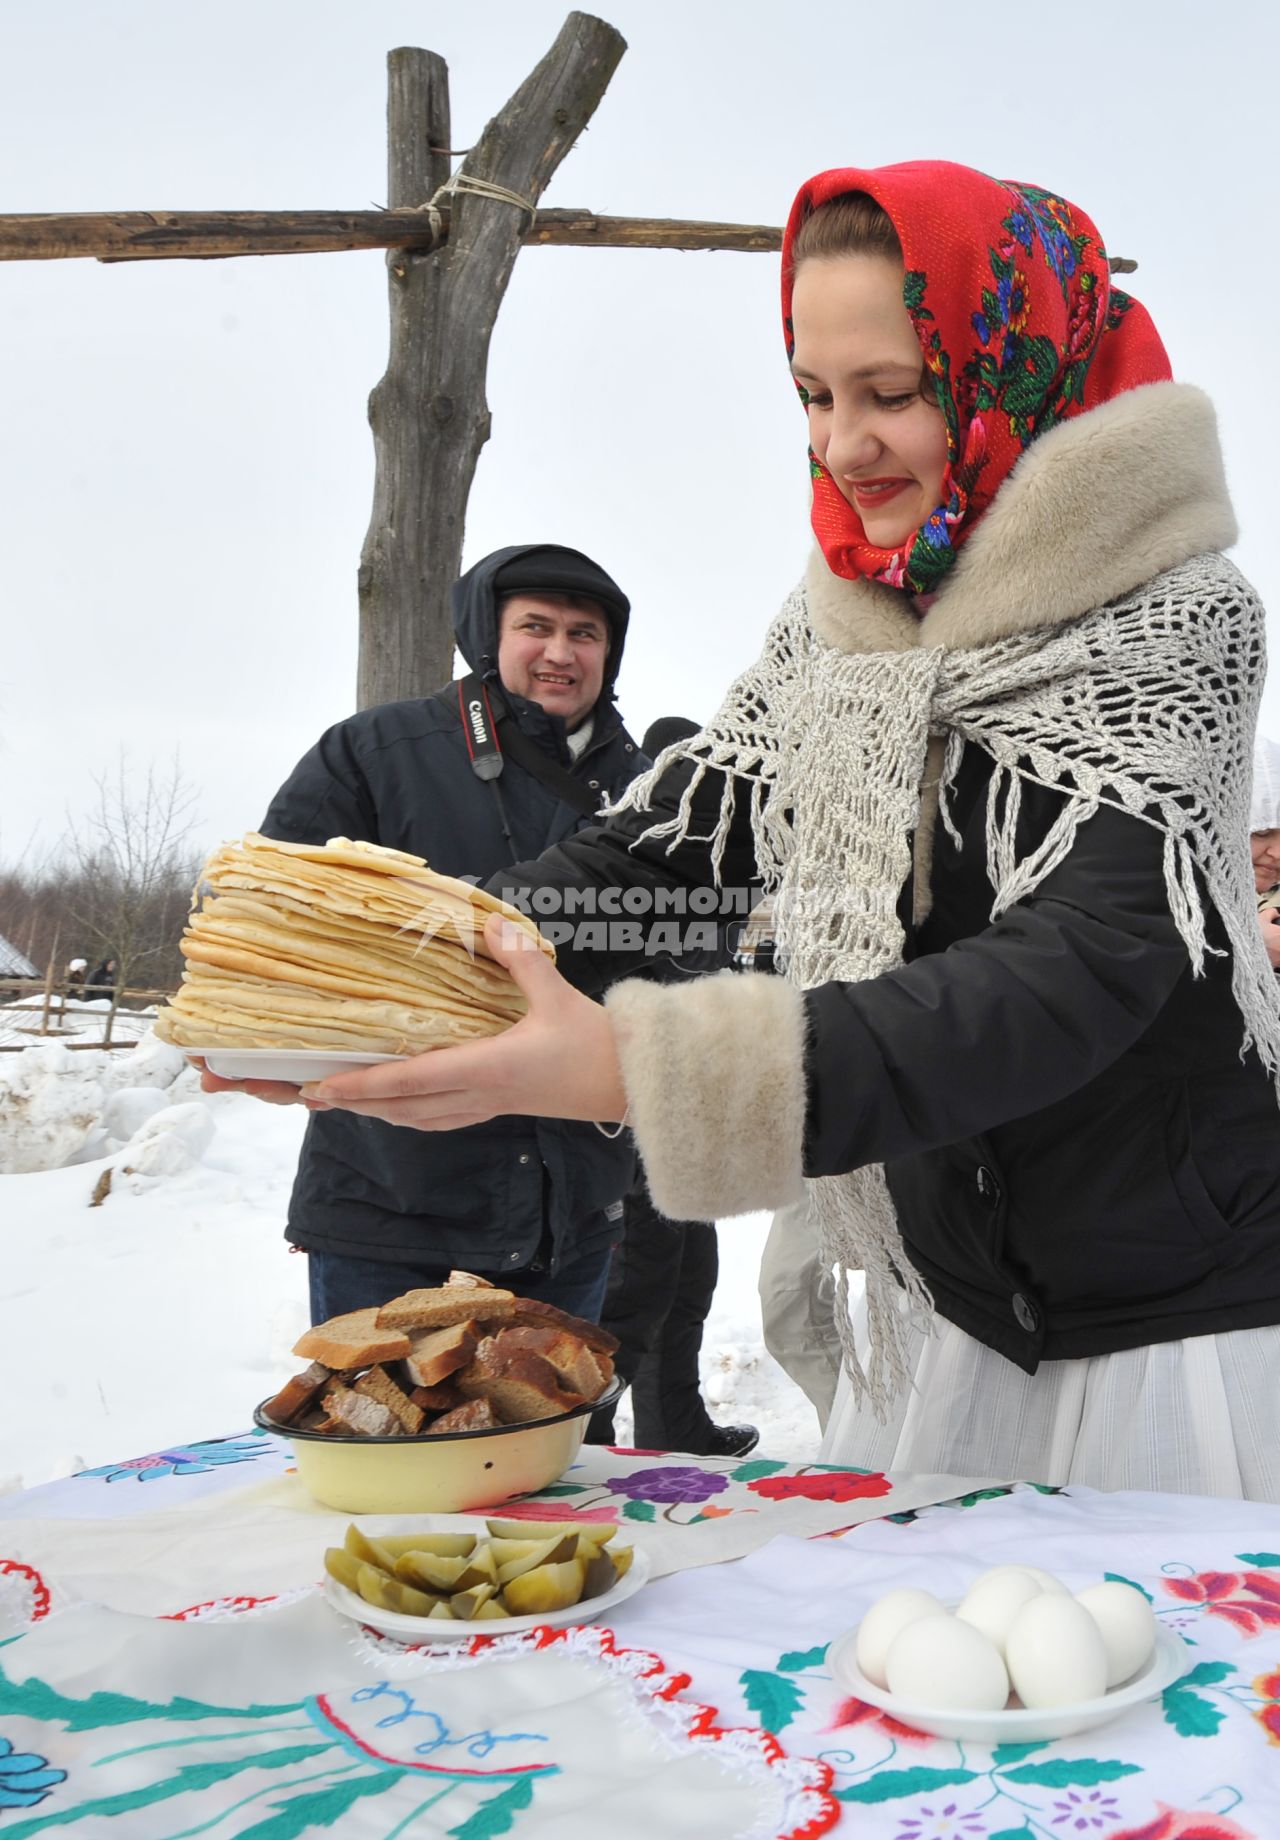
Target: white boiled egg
point(940, 1661)
point(886, 1617)
point(1055, 1653)
point(992, 1601)
point(1127, 1624)
point(1046, 1580)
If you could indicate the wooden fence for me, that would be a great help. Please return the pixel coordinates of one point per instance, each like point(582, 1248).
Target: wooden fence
point(54, 1009)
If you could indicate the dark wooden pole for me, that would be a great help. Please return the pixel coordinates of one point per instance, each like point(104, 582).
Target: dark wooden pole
point(138, 236)
point(48, 982)
point(429, 413)
point(406, 647)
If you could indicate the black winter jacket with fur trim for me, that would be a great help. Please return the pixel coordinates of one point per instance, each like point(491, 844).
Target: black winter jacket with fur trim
point(1080, 1159)
point(1088, 1165)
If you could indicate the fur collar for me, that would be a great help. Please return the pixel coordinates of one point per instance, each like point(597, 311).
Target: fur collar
point(1100, 504)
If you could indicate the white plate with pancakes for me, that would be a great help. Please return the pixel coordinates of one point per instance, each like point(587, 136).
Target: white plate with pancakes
point(303, 960)
point(296, 1066)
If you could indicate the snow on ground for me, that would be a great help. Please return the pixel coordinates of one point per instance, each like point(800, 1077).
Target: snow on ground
point(167, 1311)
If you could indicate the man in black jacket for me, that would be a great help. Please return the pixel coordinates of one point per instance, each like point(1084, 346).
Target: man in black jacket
point(533, 1204)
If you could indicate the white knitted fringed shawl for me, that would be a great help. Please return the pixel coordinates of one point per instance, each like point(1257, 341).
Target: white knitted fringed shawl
point(1145, 703)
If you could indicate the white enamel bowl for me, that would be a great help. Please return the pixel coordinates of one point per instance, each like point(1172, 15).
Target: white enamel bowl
point(455, 1472)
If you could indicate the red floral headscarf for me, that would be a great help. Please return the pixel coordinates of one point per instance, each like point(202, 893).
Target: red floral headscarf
point(1010, 295)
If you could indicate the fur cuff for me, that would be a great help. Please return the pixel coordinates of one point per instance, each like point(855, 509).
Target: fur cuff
point(714, 1072)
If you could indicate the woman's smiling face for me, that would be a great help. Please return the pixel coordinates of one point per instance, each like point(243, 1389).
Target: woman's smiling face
point(859, 362)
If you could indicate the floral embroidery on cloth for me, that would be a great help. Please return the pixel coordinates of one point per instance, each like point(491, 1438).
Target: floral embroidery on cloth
point(1193, 1764)
point(182, 1460)
point(558, 1732)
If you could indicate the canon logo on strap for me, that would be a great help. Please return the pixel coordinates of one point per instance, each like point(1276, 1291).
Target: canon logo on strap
point(475, 709)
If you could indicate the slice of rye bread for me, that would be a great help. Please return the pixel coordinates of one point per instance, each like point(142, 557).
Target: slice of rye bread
point(442, 1398)
point(438, 1353)
point(319, 1422)
point(442, 1307)
point(475, 1415)
point(580, 1369)
point(378, 1384)
point(354, 1340)
point(533, 1310)
point(294, 1397)
point(356, 1412)
point(519, 1386)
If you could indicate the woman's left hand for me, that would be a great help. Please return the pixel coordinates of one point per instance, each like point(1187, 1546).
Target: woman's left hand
point(559, 1061)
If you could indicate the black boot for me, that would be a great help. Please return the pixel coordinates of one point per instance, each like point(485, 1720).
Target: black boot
point(728, 1441)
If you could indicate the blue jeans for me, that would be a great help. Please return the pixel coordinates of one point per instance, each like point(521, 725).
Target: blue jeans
point(339, 1284)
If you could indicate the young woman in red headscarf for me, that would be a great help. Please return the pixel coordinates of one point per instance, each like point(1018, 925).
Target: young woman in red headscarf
point(994, 765)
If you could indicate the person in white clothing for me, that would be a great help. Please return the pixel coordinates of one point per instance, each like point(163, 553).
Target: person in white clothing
point(994, 763)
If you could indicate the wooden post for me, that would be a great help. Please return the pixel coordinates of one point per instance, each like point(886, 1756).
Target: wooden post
point(48, 983)
point(402, 625)
point(429, 414)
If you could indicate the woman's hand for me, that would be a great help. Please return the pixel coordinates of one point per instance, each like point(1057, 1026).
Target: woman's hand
point(559, 1061)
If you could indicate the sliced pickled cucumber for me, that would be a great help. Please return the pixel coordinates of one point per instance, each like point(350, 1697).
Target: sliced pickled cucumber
point(549, 1552)
point(372, 1552)
point(492, 1612)
point(444, 1545)
point(465, 1604)
point(547, 1587)
point(343, 1566)
point(600, 1532)
point(430, 1570)
point(480, 1568)
point(386, 1593)
point(441, 1613)
point(601, 1575)
point(505, 1551)
point(622, 1557)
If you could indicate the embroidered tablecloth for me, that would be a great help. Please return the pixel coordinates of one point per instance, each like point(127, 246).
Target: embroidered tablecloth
point(708, 1710)
point(230, 1517)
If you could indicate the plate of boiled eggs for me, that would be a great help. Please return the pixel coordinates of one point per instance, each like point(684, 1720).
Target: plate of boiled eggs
point(1018, 1658)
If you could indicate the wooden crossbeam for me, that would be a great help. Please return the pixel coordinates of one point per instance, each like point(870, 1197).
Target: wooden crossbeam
point(132, 236)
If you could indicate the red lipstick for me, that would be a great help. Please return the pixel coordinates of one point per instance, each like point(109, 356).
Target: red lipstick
point(873, 492)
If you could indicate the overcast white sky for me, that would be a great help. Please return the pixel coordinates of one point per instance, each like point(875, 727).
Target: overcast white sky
point(185, 461)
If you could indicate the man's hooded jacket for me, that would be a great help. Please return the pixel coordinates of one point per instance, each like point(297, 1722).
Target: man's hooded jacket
point(497, 1196)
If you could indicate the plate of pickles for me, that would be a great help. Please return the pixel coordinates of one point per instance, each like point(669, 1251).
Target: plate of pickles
point(466, 1578)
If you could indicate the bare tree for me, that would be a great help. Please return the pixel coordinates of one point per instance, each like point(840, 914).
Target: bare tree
point(132, 869)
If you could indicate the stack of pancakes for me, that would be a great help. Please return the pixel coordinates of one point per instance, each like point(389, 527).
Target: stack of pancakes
point(338, 946)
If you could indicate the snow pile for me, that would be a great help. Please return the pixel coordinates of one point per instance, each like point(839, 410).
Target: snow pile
point(147, 1291)
point(46, 1112)
point(58, 1106)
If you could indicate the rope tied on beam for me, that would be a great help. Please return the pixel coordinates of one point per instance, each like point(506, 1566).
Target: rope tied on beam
point(479, 188)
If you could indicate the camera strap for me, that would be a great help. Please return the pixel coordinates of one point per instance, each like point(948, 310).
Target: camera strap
point(489, 738)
